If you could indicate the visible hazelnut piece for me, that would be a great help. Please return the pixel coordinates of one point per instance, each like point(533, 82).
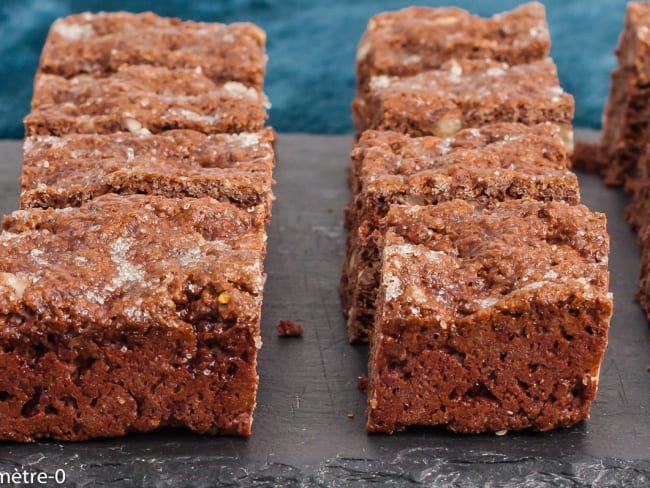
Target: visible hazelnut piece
point(223, 299)
point(446, 20)
point(132, 125)
point(447, 127)
point(567, 137)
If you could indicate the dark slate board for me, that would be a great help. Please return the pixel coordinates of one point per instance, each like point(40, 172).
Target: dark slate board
point(302, 435)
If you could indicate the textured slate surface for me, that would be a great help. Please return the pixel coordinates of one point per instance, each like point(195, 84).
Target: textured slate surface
point(311, 47)
point(302, 435)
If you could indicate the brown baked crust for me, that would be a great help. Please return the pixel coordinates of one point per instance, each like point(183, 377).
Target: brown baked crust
point(494, 163)
point(101, 43)
point(489, 320)
point(415, 39)
point(128, 314)
point(66, 171)
point(462, 94)
point(146, 98)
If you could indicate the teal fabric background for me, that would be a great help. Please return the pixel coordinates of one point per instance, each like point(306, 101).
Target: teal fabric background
point(311, 45)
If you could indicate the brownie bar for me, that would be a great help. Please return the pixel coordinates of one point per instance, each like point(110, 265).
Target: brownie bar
point(497, 162)
point(643, 293)
point(637, 213)
point(128, 314)
point(464, 93)
point(406, 42)
point(489, 320)
point(633, 50)
point(66, 171)
point(102, 43)
point(625, 120)
point(626, 126)
point(143, 98)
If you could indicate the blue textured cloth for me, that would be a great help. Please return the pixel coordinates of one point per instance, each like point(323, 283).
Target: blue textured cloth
point(310, 77)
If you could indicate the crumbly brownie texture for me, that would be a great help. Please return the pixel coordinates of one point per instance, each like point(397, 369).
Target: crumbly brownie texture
point(143, 98)
point(66, 171)
point(489, 320)
point(494, 163)
point(129, 314)
point(289, 328)
point(102, 43)
point(416, 39)
point(588, 157)
point(464, 93)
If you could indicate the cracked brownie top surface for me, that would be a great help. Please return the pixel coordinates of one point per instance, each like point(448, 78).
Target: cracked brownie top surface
point(420, 38)
point(136, 261)
point(103, 42)
point(453, 260)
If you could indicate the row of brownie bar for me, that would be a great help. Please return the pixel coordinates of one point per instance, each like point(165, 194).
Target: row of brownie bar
point(471, 268)
point(131, 280)
point(623, 154)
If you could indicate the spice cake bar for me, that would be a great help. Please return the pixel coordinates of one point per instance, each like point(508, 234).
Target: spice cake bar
point(489, 319)
point(416, 39)
point(143, 98)
point(626, 121)
point(66, 171)
point(101, 43)
point(462, 94)
point(494, 163)
point(128, 314)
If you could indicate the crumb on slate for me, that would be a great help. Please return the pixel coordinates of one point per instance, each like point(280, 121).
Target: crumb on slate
point(363, 383)
point(351, 414)
point(288, 328)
